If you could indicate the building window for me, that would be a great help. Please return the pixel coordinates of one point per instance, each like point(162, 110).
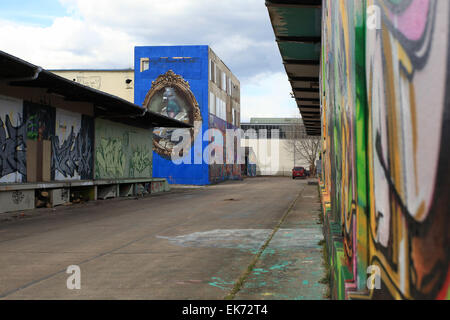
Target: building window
point(213, 71)
point(224, 82)
point(221, 111)
point(212, 103)
point(145, 64)
point(217, 76)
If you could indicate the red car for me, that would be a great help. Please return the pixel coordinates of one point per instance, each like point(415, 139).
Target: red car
point(298, 172)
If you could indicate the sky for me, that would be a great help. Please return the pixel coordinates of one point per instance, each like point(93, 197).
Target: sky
point(102, 34)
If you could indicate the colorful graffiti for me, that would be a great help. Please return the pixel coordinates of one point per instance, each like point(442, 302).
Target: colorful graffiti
point(385, 113)
point(408, 90)
point(122, 151)
point(219, 172)
point(171, 96)
point(341, 123)
point(40, 121)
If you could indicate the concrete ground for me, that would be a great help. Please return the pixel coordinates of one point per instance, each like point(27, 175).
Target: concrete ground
point(192, 243)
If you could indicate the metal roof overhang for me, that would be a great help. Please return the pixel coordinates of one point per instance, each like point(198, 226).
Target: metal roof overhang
point(297, 28)
point(20, 73)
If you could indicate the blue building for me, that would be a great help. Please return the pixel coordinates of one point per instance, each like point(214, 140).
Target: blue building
point(190, 84)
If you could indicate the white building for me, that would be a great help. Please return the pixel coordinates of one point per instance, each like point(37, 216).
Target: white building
point(273, 145)
point(118, 82)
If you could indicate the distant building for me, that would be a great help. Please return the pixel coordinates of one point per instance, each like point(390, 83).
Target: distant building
point(190, 84)
point(273, 144)
point(119, 82)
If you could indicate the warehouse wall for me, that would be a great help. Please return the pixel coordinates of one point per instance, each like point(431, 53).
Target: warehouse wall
point(385, 109)
point(40, 143)
point(122, 151)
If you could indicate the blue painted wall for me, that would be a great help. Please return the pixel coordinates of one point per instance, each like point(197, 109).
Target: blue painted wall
point(196, 73)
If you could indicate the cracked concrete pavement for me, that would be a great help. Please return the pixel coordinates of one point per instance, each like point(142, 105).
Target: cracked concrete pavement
point(192, 243)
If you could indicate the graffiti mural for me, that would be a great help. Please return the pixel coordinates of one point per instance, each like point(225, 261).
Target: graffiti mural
point(408, 90)
point(40, 121)
point(140, 160)
point(385, 115)
point(72, 147)
point(110, 159)
point(12, 141)
point(222, 171)
point(343, 129)
point(171, 96)
point(122, 151)
point(13, 148)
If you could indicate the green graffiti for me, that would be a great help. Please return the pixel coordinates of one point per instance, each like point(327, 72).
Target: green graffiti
point(140, 160)
point(32, 128)
point(110, 158)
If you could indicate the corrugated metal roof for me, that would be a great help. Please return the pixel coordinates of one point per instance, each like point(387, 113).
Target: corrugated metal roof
point(297, 28)
point(20, 73)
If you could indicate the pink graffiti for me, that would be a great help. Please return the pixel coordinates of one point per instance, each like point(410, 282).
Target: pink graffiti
point(413, 21)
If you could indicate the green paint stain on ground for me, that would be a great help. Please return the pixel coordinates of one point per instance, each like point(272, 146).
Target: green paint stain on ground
point(290, 267)
point(259, 271)
point(220, 283)
point(279, 266)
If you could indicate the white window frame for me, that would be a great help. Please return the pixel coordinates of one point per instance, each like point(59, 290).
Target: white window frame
point(145, 61)
point(223, 82)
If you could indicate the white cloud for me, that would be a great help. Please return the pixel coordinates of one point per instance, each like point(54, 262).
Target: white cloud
point(67, 43)
point(103, 33)
point(267, 95)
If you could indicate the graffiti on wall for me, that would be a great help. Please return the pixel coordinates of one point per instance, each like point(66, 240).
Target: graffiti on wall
point(110, 159)
point(12, 141)
point(223, 171)
point(12, 149)
point(73, 155)
point(40, 121)
point(71, 137)
point(408, 90)
point(122, 151)
point(341, 121)
point(385, 115)
point(171, 96)
point(140, 160)
point(72, 148)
